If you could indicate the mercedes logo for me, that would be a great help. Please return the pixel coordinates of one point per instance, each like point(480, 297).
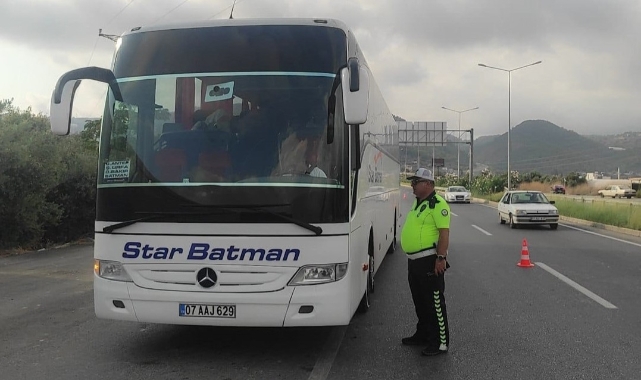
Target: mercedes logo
point(206, 277)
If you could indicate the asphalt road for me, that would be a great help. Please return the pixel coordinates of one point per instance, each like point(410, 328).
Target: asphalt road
point(575, 315)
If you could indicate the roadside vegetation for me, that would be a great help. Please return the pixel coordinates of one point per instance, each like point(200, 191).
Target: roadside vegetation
point(613, 214)
point(47, 183)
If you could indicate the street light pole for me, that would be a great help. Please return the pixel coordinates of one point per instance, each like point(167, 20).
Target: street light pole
point(509, 112)
point(458, 145)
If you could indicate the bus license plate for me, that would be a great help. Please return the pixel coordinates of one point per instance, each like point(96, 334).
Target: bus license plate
point(213, 311)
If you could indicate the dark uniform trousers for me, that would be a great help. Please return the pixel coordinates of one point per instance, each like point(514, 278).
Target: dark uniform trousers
point(427, 292)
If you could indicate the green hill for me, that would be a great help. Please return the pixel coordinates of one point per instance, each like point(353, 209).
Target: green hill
point(538, 145)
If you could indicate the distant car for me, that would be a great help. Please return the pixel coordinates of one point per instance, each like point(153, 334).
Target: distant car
point(558, 189)
point(519, 207)
point(457, 194)
point(615, 191)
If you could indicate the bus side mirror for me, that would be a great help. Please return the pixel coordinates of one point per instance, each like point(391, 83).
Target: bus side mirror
point(60, 112)
point(355, 80)
point(63, 95)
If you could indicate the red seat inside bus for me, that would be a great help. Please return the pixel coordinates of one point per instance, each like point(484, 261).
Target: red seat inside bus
point(171, 165)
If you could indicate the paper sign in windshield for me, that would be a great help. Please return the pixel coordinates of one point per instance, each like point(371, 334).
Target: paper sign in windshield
point(218, 92)
point(117, 170)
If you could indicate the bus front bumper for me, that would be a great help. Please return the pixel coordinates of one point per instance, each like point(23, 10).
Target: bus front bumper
point(311, 305)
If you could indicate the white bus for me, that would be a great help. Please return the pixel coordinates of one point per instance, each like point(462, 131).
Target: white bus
point(235, 166)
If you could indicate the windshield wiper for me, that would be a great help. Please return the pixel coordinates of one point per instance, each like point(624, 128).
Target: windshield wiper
point(111, 228)
point(259, 208)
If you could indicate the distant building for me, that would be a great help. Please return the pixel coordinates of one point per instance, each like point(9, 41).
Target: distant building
point(593, 176)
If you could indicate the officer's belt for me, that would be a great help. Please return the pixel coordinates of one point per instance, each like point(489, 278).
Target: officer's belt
point(422, 253)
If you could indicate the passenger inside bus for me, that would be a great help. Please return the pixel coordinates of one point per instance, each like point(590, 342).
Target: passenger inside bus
point(300, 150)
point(254, 153)
point(211, 144)
point(216, 121)
point(311, 158)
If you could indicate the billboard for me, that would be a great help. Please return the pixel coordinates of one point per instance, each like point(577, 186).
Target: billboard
point(422, 133)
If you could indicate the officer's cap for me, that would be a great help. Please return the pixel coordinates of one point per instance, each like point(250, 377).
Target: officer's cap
point(422, 173)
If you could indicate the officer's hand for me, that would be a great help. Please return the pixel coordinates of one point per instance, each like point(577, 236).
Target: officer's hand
point(439, 267)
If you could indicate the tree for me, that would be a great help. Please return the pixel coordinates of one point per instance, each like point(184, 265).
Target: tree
point(90, 135)
point(47, 183)
point(574, 179)
point(29, 169)
point(5, 104)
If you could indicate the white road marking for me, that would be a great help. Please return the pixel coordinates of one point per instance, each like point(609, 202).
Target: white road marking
point(482, 230)
point(453, 213)
point(576, 286)
point(326, 358)
point(600, 235)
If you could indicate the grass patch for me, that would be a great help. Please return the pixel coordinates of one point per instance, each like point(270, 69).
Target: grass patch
point(490, 197)
point(613, 214)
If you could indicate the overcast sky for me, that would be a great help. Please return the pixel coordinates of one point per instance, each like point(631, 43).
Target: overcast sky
point(424, 53)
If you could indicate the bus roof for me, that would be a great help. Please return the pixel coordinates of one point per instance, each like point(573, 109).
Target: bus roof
point(242, 22)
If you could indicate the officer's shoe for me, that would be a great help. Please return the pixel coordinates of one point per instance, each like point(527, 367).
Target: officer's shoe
point(414, 340)
point(433, 351)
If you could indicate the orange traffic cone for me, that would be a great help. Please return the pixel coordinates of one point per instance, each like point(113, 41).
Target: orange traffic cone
point(525, 256)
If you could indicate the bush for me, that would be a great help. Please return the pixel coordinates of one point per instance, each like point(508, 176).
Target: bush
point(46, 183)
point(75, 194)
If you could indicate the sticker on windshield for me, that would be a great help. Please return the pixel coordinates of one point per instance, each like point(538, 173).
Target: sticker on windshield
point(218, 92)
point(117, 170)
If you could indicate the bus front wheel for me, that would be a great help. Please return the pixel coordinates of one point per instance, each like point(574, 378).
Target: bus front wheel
point(369, 288)
point(392, 247)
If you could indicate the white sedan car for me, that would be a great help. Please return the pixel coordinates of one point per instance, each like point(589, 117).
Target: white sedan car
point(527, 207)
point(617, 191)
point(457, 194)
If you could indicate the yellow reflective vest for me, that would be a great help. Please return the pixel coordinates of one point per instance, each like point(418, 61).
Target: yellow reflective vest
point(420, 231)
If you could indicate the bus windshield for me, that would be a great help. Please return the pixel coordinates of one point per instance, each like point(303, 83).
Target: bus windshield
point(232, 129)
point(222, 117)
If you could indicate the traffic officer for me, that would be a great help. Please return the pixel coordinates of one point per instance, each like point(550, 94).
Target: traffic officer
point(425, 240)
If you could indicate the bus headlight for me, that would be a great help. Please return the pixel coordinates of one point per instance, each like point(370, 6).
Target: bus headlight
point(319, 274)
point(110, 270)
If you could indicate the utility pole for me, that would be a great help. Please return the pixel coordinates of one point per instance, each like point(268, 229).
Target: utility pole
point(509, 113)
point(471, 156)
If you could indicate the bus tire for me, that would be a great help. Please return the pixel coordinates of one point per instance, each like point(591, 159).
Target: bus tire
point(369, 288)
point(392, 247)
